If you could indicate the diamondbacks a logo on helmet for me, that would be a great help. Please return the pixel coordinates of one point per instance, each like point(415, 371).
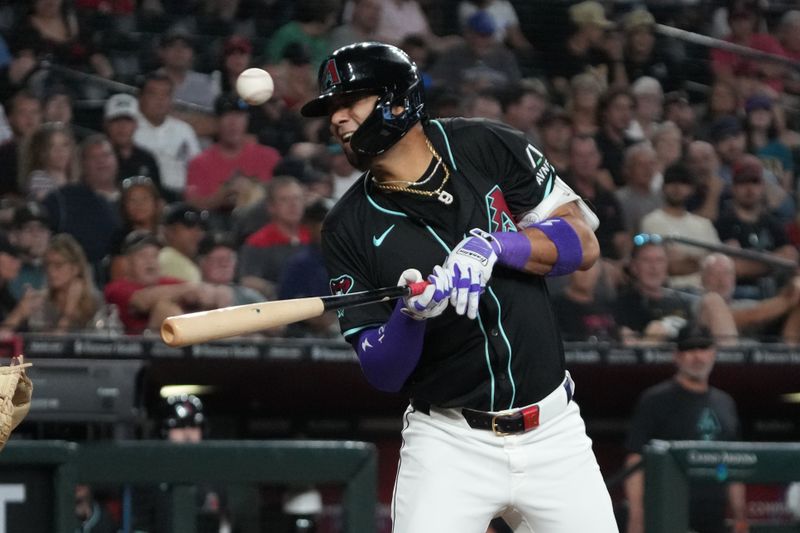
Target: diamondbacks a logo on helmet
point(331, 76)
point(497, 210)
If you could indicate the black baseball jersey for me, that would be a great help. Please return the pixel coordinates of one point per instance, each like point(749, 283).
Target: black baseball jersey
point(511, 355)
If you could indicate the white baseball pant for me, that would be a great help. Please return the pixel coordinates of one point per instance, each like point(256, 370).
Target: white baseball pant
point(455, 479)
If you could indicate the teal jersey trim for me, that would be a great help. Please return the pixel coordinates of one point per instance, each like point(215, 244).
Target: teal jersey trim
point(550, 184)
point(374, 204)
point(447, 143)
point(508, 345)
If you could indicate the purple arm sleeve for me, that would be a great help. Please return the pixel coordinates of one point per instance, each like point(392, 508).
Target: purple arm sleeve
point(515, 249)
point(388, 354)
point(568, 245)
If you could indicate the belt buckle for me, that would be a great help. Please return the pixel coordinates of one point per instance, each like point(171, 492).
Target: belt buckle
point(497, 431)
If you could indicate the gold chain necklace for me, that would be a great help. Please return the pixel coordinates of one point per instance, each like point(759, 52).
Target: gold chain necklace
point(440, 194)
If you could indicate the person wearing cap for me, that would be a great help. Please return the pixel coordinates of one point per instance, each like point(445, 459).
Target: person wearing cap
point(648, 108)
point(24, 112)
point(237, 54)
point(673, 218)
point(145, 297)
point(586, 49)
point(743, 16)
point(555, 133)
point(479, 62)
point(30, 233)
point(217, 257)
point(687, 407)
point(264, 253)
point(748, 224)
point(505, 18)
point(362, 26)
point(643, 57)
point(764, 140)
point(184, 226)
point(171, 140)
point(235, 155)
point(120, 120)
point(176, 54)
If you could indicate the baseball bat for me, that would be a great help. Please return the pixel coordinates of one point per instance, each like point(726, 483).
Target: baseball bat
point(753, 255)
point(204, 326)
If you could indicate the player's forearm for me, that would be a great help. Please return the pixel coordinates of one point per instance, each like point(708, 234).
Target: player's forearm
point(390, 353)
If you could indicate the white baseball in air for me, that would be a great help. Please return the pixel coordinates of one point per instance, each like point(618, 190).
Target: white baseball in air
point(255, 86)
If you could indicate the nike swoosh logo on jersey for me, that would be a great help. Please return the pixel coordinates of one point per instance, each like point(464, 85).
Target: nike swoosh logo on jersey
point(377, 241)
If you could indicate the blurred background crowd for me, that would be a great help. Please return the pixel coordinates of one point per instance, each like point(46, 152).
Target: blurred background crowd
point(134, 184)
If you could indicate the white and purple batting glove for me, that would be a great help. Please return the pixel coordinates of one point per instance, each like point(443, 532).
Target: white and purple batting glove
point(433, 300)
point(470, 267)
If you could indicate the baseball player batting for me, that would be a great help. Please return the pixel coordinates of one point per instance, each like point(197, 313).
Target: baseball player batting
point(492, 428)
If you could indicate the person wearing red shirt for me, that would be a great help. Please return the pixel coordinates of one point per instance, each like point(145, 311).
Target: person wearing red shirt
point(211, 173)
point(145, 297)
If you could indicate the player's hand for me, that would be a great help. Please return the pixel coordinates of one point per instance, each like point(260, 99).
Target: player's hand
point(470, 267)
point(433, 300)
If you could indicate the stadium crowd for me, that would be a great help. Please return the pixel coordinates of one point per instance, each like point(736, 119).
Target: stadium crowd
point(134, 183)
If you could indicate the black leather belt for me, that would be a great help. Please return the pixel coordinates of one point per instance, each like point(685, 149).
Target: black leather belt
point(513, 423)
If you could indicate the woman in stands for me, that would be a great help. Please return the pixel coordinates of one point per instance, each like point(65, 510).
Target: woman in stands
point(140, 207)
point(48, 161)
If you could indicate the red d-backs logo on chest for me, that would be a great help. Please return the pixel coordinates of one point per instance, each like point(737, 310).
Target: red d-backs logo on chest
point(331, 75)
point(499, 215)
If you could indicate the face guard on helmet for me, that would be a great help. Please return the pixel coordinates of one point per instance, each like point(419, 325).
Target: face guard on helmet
point(372, 68)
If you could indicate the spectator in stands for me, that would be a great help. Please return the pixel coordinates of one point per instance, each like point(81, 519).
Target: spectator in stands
point(615, 111)
point(362, 26)
point(100, 169)
point(763, 139)
point(71, 299)
point(585, 91)
point(523, 104)
point(678, 111)
point(638, 196)
point(50, 30)
point(92, 518)
point(581, 316)
point(483, 104)
point(24, 116)
point(9, 269)
point(85, 213)
point(217, 256)
point(789, 37)
point(140, 209)
point(176, 54)
point(647, 311)
point(479, 62)
point(648, 108)
point(30, 233)
point(703, 164)
point(667, 141)
point(57, 107)
point(584, 177)
point(723, 101)
point(505, 19)
point(674, 219)
point(294, 76)
point(746, 223)
point(401, 18)
point(145, 297)
point(765, 320)
point(211, 173)
point(555, 133)
point(585, 49)
point(120, 123)
point(310, 26)
point(742, 18)
point(237, 54)
point(686, 407)
point(172, 141)
point(305, 275)
point(48, 161)
point(183, 229)
point(265, 252)
point(643, 57)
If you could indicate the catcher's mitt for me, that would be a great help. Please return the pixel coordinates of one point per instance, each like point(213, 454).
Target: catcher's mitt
point(15, 397)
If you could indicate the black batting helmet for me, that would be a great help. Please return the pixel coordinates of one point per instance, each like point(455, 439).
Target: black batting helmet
point(182, 411)
point(372, 68)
